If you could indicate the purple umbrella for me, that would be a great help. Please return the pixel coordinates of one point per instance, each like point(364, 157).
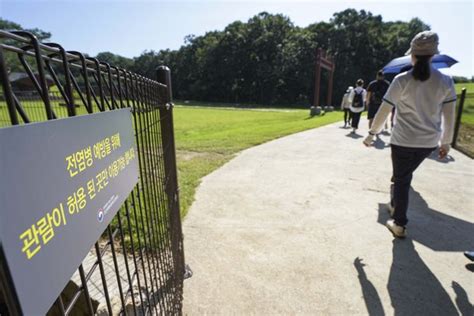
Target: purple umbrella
point(397, 64)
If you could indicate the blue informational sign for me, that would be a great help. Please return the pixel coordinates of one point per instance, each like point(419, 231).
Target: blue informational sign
point(61, 183)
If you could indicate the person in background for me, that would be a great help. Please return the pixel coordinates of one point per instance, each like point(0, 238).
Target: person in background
point(425, 101)
point(357, 99)
point(375, 92)
point(345, 106)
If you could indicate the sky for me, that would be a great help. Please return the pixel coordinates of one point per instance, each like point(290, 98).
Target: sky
point(130, 27)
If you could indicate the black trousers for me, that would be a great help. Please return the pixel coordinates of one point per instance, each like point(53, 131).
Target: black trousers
point(347, 116)
point(356, 119)
point(405, 160)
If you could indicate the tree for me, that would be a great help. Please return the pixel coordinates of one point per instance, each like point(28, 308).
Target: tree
point(268, 60)
point(115, 60)
point(10, 26)
point(12, 61)
point(460, 79)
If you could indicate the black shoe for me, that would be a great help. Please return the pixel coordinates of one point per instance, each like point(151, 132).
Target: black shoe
point(469, 255)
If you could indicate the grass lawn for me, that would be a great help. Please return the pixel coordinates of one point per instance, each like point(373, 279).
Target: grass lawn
point(206, 138)
point(469, 87)
point(36, 112)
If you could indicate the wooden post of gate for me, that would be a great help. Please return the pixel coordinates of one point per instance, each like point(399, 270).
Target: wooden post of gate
point(331, 79)
point(317, 80)
point(325, 62)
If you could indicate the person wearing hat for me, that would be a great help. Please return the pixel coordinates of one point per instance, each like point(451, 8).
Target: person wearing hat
point(425, 101)
point(345, 106)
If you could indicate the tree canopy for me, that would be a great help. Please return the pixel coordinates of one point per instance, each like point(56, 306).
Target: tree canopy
point(12, 62)
point(269, 60)
point(115, 60)
point(9, 25)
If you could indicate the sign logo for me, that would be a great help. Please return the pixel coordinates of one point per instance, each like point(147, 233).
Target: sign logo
point(100, 215)
point(105, 209)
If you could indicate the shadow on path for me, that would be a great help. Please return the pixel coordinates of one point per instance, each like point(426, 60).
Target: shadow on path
point(354, 135)
point(462, 300)
point(432, 228)
point(413, 288)
point(434, 156)
point(380, 144)
point(371, 297)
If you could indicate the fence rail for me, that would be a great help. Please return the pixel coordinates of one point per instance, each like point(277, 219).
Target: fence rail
point(463, 139)
point(137, 266)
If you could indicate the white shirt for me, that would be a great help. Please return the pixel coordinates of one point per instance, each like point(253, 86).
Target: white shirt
point(345, 101)
point(351, 98)
point(419, 106)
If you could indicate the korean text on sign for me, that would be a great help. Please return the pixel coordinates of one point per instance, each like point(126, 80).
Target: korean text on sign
point(84, 158)
point(42, 232)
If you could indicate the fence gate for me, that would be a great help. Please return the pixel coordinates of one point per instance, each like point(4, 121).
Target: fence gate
point(137, 266)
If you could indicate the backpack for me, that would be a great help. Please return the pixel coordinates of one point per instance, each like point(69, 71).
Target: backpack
point(378, 93)
point(358, 100)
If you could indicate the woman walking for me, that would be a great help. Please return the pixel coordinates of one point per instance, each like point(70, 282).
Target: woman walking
point(357, 99)
point(423, 98)
point(345, 106)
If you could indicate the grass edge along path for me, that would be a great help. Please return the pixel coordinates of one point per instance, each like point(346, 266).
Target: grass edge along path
point(207, 138)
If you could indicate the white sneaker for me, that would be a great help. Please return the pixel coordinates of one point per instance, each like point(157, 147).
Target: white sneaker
point(390, 208)
point(397, 231)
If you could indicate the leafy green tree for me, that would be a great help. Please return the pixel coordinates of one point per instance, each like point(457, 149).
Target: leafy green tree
point(11, 59)
point(115, 60)
point(10, 26)
point(268, 60)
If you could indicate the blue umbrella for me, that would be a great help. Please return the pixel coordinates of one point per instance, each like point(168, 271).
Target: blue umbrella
point(397, 64)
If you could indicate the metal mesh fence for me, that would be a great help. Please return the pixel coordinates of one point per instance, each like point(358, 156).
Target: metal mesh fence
point(33, 106)
point(137, 266)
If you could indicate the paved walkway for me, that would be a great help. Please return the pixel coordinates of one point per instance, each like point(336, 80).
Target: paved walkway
point(296, 226)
